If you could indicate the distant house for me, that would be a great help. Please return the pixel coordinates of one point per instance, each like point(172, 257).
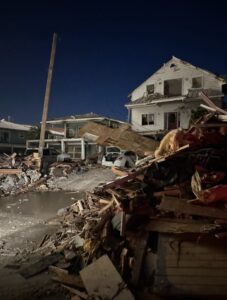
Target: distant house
point(13, 137)
point(167, 98)
point(69, 141)
point(72, 124)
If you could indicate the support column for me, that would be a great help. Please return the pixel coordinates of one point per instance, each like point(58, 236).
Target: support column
point(82, 149)
point(62, 146)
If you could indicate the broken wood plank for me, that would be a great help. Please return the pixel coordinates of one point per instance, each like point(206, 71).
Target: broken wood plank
point(178, 226)
point(104, 201)
point(123, 224)
point(106, 207)
point(82, 295)
point(10, 171)
point(116, 201)
point(177, 205)
point(39, 266)
point(139, 256)
point(107, 282)
point(80, 205)
point(64, 277)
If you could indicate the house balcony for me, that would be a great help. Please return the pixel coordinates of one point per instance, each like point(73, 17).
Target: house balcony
point(192, 95)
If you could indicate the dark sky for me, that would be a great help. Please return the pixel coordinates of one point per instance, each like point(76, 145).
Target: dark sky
point(105, 49)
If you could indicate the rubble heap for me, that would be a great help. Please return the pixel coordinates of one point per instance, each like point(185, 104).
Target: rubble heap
point(17, 174)
point(181, 192)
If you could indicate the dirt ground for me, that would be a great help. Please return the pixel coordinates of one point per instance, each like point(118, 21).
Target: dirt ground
point(23, 226)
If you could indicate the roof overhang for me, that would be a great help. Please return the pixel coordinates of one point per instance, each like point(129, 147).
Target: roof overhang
point(199, 98)
point(158, 101)
point(62, 121)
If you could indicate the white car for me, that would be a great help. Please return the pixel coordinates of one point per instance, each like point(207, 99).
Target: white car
point(126, 160)
point(110, 156)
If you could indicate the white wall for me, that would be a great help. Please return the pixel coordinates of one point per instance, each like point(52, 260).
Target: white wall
point(186, 72)
point(181, 70)
point(158, 111)
point(184, 108)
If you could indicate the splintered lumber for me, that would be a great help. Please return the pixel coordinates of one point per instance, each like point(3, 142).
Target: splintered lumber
point(101, 279)
point(63, 276)
point(10, 171)
point(123, 224)
point(178, 226)
point(106, 207)
point(122, 137)
point(76, 292)
point(139, 256)
point(39, 266)
point(177, 205)
point(212, 105)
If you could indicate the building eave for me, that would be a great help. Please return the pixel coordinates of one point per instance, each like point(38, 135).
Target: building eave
point(158, 101)
point(62, 121)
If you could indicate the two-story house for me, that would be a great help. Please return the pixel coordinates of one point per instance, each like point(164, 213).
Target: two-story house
point(69, 141)
point(13, 136)
point(167, 98)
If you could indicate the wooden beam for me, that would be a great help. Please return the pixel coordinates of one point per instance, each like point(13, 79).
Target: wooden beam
point(10, 171)
point(178, 226)
point(177, 205)
point(139, 256)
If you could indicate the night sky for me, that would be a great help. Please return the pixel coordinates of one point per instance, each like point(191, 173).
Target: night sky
point(105, 50)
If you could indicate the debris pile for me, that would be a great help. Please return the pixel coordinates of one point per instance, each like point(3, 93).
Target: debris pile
point(17, 174)
point(64, 169)
point(181, 192)
point(122, 137)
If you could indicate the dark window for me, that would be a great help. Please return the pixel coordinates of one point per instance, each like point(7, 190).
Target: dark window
point(173, 87)
point(196, 82)
point(171, 120)
point(4, 137)
point(147, 119)
point(150, 89)
point(224, 88)
point(21, 135)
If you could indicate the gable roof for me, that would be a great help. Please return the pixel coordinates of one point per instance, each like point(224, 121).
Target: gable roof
point(14, 126)
point(175, 59)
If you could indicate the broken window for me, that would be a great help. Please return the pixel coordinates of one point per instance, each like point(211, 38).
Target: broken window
point(173, 87)
point(147, 119)
point(171, 120)
point(150, 89)
point(196, 82)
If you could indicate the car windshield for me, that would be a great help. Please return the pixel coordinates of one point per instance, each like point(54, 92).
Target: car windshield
point(112, 149)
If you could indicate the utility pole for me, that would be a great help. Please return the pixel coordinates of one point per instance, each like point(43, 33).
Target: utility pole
point(47, 95)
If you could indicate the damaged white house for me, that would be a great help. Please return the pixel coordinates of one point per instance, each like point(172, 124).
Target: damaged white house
point(167, 98)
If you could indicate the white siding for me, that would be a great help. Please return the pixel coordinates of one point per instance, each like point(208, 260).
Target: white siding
point(158, 111)
point(183, 71)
